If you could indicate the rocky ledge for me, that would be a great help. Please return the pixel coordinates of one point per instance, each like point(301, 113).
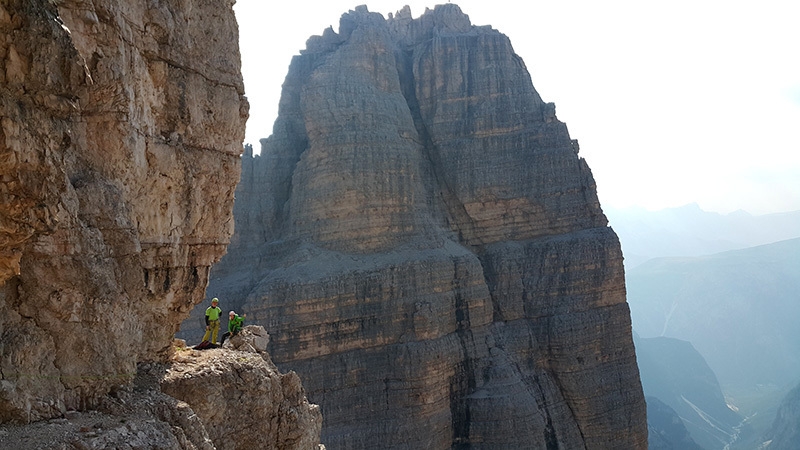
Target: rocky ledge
point(210, 399)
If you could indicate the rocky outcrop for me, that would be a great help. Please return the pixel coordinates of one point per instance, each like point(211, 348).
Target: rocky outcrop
point(136, 416)
point(219, 399)
point(120, 132)
point(242, 399)
point(427, 250)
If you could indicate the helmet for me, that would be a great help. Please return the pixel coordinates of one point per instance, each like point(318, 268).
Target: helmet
point(215, 300)
point(231, 313)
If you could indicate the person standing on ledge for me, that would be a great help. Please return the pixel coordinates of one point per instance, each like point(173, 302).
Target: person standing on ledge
point(235, 323)
point(212, 321)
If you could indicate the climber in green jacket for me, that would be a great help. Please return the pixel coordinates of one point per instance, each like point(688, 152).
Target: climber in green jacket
point(235, 323)
point(212, 321)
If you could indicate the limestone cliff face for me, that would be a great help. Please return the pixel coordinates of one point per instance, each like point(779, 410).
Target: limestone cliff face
point(427, 250)
point(120, 132)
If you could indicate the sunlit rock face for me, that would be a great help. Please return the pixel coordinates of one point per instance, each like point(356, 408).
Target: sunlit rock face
point(120, 132)
point(223, 398)
point(241, 397)
point(426, 248)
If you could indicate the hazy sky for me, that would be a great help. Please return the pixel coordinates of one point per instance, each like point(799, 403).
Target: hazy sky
point(672, 102)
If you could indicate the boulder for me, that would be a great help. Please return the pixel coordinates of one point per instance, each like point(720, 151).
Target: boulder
point(252, 338)
point(243, 400)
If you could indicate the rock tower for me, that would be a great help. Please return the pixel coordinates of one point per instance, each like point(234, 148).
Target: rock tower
point(426, 248)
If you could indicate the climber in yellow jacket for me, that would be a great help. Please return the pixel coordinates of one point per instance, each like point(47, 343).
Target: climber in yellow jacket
point(212, 321)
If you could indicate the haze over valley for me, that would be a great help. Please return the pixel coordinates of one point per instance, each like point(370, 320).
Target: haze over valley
point(736, 310)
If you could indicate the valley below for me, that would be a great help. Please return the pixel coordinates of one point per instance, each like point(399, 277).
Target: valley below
point(734, 312)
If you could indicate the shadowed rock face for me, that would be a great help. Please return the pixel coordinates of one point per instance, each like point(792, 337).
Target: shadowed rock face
point(427, 251)
point(120, 132)
point(675, 374)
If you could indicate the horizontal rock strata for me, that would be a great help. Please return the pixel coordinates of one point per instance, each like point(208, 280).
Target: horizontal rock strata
point(427, 250)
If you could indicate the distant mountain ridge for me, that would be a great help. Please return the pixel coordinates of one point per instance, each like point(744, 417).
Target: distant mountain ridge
point(738, 308)
point(729, 285)
point(690, 231)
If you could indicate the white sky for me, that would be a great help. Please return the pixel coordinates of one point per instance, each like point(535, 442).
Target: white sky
point(672, 102)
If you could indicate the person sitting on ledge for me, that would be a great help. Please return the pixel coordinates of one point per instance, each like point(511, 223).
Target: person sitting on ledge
point(235, 323)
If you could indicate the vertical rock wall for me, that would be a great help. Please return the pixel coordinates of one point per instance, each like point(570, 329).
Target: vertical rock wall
point(120, 132)
point(427, 250)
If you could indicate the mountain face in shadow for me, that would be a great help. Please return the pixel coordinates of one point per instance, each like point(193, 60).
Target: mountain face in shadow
point(427, 251)
point(690, 231)
point(785, 431)
point(666, 430)
point(676, 374)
